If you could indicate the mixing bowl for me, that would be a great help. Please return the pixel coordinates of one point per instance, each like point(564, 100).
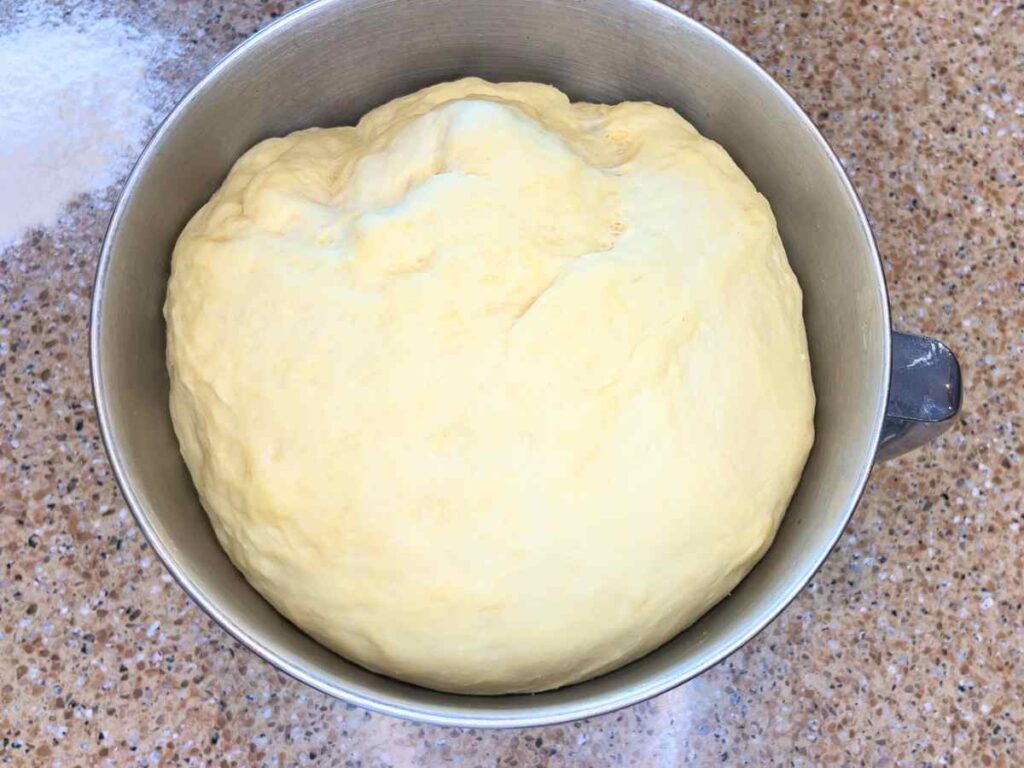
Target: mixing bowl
point(330, 62)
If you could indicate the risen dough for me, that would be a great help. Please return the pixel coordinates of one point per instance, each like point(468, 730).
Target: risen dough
point(492, 392)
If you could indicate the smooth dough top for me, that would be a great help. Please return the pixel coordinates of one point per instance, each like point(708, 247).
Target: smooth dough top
point(493, 391)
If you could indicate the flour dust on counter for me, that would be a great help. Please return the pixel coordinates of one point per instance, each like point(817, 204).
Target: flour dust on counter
point(77, 105)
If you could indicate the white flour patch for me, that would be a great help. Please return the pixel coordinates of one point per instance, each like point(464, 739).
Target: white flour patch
point(75, 107)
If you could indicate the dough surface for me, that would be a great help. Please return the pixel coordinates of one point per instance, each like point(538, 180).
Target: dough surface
point(492, 392)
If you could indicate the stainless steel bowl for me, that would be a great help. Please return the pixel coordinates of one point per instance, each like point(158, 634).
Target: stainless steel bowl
point(331, 61)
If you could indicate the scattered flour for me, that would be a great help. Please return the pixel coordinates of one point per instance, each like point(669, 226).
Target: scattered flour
point(75, 107)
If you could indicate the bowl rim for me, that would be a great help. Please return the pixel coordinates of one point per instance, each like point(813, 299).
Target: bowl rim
point(526, 716)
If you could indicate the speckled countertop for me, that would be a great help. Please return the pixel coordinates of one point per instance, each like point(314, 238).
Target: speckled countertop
point(908, 647)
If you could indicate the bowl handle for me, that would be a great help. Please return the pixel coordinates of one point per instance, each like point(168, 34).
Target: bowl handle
point(924, 396)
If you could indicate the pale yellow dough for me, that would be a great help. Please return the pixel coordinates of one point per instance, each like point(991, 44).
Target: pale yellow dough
point(492, 392)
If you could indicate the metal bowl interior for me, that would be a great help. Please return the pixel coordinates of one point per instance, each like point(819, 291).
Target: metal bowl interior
point(327, 64)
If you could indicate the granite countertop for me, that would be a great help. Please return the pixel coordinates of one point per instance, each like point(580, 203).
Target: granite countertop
point(907, 648)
